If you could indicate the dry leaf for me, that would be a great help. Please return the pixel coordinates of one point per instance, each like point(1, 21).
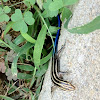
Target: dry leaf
point(2, 67)
point(10, 76)
point(11, 55)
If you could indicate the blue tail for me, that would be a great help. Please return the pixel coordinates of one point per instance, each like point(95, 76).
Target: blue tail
point(57, 36)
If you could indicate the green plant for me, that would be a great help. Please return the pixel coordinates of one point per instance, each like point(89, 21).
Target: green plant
point(26, 56)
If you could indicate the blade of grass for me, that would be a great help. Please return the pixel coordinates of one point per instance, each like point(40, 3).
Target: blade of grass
point(39, 46)
point(87, 28)
point(8, 27)
point(28, 37)
point(5, 97)
point(45, 59)
point(22, 51)
point(19, 40)
point(37, 9)
point(5, 44)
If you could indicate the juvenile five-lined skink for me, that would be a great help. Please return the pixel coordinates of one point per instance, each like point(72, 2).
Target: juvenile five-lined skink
point(65, 85)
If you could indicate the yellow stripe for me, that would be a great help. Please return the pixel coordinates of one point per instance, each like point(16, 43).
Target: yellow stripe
point(62, 84)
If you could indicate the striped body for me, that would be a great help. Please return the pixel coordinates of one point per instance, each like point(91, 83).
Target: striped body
point(55, 77)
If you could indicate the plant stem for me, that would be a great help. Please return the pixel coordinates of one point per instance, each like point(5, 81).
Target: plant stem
point(37, 9)
point(16, 4)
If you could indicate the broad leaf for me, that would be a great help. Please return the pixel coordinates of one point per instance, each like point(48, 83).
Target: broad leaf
point(26, 67)
point(24, 76)
point(20, 20)
point(56, 5)
point(23, 50)
point(87, 28)
point(42, 70)
point(3, 14)
point(66, 13)
point(47, 12)
point(39, 45)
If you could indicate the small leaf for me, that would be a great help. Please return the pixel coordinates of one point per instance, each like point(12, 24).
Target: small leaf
point(87, 28)
point(47, 12)
point(23, 50)
point(17, 15)
point(24, 76)
point(39, 46)
point(28, 37)
point(19, 20)
point(47, 58)
point(28, 18)
point(19, 39)
point(9, 75)
point(19, 24)
point(27, 3)
point(53, 29)
point(42, 70)
point(2, 67)
point(11, 55)
point(56, 5)
point(8, 27)
point(3, 16)
point(32, 2)
point(66, 13)
point(69, 2)
point(26, 67)
point(7, 9)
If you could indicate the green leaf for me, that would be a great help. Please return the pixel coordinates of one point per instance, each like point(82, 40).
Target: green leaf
point(87, 28)
point(42, 70)
point(8, 27)
point(5, 0)
point(66, 23)
point(53, 29)
point(27, 3)
point(14, 46)
point(3, 16)
point(56, 5)
point(28, 37)
point(5, 97)
point(19, 40)
point(26, 67)
point(6, 9)
point(26, 89)
point(69, 2)
point(19, 24)
point(32, 2)
point(28, 18)
point(2, 42)
point(23, 50)
point(66, 13)
point(24, 76)
point(39, 45)
point(17, 15)
point(20, 20)
point(47, 58)
point(47, 12)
